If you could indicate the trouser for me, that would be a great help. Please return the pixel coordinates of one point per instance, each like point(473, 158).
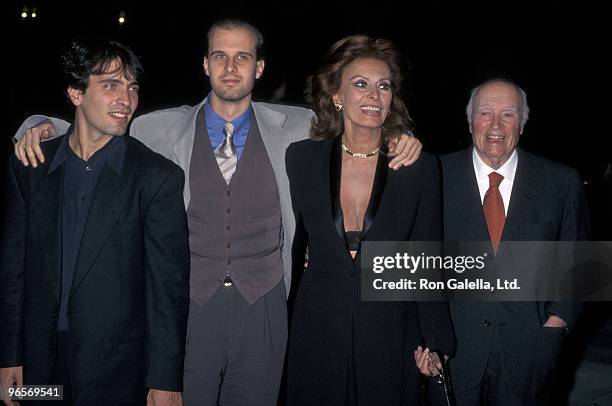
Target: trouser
point(494, 390)
point(235, 351)
point(592, 385)
point(61, 371)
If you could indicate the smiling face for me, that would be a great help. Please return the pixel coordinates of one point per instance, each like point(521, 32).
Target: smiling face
point(496, 122)
point(106, 106)
point(232, 65)
point(365, 93)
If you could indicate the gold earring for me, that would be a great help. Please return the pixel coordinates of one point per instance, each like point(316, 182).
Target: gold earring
point(338, 106)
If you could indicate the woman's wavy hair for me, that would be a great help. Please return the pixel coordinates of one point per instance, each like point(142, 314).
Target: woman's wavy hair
point(328, 123)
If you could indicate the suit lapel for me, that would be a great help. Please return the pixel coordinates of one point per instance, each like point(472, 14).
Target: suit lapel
point(46, 206)
point(181, 136)
point(276, 139)
point(335, 176)
point(106, 207)
point(466, 203)
point(376, 195)
point(524, 192)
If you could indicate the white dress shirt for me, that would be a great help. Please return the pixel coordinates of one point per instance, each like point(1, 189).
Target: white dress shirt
point(507, 170)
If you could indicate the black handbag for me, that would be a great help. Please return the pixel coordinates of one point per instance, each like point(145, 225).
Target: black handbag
point(437, 390)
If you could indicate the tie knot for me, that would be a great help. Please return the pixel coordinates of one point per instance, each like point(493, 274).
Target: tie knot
point(495, 179)
point(228, 129)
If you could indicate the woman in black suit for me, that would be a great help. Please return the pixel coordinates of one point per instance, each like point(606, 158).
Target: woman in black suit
point(343, 351)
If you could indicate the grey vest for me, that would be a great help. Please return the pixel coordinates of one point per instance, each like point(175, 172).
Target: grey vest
point(234, 229)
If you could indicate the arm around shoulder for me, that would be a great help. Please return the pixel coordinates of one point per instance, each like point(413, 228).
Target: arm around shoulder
point(30, 134)
point(61, 126)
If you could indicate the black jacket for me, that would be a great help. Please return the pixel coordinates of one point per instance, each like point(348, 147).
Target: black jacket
point(547, 204)
point(129, 299)
point(330, 322)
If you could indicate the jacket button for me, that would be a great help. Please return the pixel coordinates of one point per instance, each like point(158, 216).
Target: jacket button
point(487, 322)
point(51, 349)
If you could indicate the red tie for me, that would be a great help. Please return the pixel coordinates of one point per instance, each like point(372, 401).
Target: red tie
point(493, 206)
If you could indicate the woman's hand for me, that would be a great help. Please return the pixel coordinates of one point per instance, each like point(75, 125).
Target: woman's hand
point(428, 362)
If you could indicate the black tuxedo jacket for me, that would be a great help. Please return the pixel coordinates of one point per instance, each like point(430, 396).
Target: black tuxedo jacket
point(547, 204)
point(128, 303)
point(329, 319)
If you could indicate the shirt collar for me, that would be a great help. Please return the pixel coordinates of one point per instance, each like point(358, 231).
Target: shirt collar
point(112, 152)
point(213, 118)
point(507, 170)
point(61, 154)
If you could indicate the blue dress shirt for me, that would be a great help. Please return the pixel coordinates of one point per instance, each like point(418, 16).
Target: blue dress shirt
point(215, 124)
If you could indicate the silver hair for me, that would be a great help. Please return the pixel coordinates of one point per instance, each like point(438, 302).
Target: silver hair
point(524, 107)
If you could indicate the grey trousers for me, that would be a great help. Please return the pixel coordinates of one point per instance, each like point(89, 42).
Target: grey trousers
point(234, 353)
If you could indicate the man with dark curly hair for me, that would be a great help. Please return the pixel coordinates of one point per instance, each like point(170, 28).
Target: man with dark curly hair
point(94, 256)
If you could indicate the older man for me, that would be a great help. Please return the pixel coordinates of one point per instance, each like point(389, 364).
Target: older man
point(494, 191)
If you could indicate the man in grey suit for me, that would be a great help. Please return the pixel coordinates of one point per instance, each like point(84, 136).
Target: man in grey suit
point(241, 222)
point(494, 191)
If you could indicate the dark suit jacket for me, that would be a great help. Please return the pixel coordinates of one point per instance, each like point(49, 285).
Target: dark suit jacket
point(330, 322)
point(128, 303)
point(547, 204)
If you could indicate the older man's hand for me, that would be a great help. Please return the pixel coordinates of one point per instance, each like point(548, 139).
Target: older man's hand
point(555, 322)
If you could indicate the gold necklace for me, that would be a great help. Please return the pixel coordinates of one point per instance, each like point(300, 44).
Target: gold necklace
point(360, 154)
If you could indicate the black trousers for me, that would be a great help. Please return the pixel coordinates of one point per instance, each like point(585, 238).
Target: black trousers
point(61, 372)
point(493, 390)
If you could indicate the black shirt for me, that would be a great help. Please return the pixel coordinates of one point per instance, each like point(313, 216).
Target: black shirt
point(79, 183)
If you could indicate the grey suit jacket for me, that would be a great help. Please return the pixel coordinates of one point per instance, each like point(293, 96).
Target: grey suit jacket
point(170, 132)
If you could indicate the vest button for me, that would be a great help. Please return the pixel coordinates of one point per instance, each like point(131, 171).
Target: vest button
point(228, 245)
point(228, 193)
point(229, 261)
point(228, 211)
point(228, 227)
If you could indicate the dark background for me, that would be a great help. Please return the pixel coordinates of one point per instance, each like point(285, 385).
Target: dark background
point(557, 51)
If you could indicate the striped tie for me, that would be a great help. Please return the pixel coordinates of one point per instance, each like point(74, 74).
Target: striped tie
point(226, 154)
